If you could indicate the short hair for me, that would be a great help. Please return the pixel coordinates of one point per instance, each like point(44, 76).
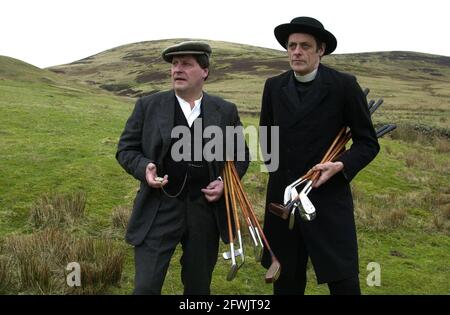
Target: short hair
point(319, 43)
point(203, 62)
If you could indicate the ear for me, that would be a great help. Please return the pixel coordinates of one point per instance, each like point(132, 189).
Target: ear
point(205, 73)
point(322, 49)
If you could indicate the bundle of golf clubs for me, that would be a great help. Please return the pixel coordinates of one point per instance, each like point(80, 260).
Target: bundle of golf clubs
point(234, 196)
point(299, 201)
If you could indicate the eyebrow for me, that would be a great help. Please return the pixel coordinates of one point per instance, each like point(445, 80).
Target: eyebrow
point(299, 43)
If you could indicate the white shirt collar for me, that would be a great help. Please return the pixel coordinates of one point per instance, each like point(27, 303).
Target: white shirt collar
point(190, 114)
point(307, 77)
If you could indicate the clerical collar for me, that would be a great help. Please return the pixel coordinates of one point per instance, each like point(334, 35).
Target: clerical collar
point(307, 77)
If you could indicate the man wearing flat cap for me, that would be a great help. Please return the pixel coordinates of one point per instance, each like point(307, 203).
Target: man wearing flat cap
point(180, 199)
point(310, 103)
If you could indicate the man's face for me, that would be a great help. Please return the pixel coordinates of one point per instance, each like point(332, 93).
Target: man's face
point(187, 75)
point(303, 54)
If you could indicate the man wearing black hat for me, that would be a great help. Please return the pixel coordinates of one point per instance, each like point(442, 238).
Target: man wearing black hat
point(310, 103)
point(180, 200)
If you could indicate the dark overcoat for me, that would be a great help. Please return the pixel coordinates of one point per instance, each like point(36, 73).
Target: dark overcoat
point(147, 138)
point(307, 129)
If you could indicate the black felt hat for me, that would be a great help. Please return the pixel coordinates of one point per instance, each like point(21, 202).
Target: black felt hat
point(304, 24)
point(186, 48)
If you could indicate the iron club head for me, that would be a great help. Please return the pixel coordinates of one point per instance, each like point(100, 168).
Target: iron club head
point(307, 210)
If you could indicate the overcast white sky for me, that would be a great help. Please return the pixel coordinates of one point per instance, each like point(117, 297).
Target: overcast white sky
point(51, 32)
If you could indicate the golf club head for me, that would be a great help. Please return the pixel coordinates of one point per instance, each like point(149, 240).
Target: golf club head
point(233, 271)
point(290, 193)
point(240, 250)
point(307, 209)
point(227, 255)
point(279, 210)
point(366, 91)
point(385, 129)
point(273, 272)
point(242, 261)
point(376, 105)
point(292, 216)
point(370, 104)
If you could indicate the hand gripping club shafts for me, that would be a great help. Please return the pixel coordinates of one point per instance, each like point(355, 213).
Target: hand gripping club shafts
point(294, 200)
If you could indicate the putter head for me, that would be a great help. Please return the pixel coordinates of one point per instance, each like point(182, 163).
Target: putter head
point(232, 273)
point(307, 209)
point(227, 255)
point(279, 210)
point(273, 272)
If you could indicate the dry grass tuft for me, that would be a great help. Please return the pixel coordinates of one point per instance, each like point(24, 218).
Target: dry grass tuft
point(442, 145)
point(120, 217)
point(6, 277)
point(58, 210)
point(40, 260)
point(441, 219)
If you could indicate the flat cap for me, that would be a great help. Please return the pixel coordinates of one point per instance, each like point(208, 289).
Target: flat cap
point(186, 48)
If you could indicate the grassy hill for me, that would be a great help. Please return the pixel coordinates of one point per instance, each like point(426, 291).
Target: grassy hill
point(60, 126)
point(416, 86)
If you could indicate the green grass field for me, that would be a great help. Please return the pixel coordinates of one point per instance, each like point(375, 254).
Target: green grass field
point(59, 136)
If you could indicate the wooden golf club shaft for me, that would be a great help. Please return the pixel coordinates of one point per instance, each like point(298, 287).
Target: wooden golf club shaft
point(233, 197)
point(274, 270)
point(254, 234)
point(242, 204)
point(332, 146)
point(253, 215)
point(248, 206)
point(232, 272)
point(339, 147)
point(332, 154)
point(237, 224)
point(227, 206)
point(329, 151)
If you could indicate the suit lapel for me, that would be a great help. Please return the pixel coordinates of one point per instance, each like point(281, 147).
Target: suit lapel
point(166, 115)
point(211, 112)
point(290, 92)
point(212, 116)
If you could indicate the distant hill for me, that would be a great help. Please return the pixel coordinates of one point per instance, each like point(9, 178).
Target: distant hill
point(414, 85)
point(140, 66)
point(14, 72)
point(17, 70)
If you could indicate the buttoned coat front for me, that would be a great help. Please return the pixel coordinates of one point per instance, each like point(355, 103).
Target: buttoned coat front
point(307, 127)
